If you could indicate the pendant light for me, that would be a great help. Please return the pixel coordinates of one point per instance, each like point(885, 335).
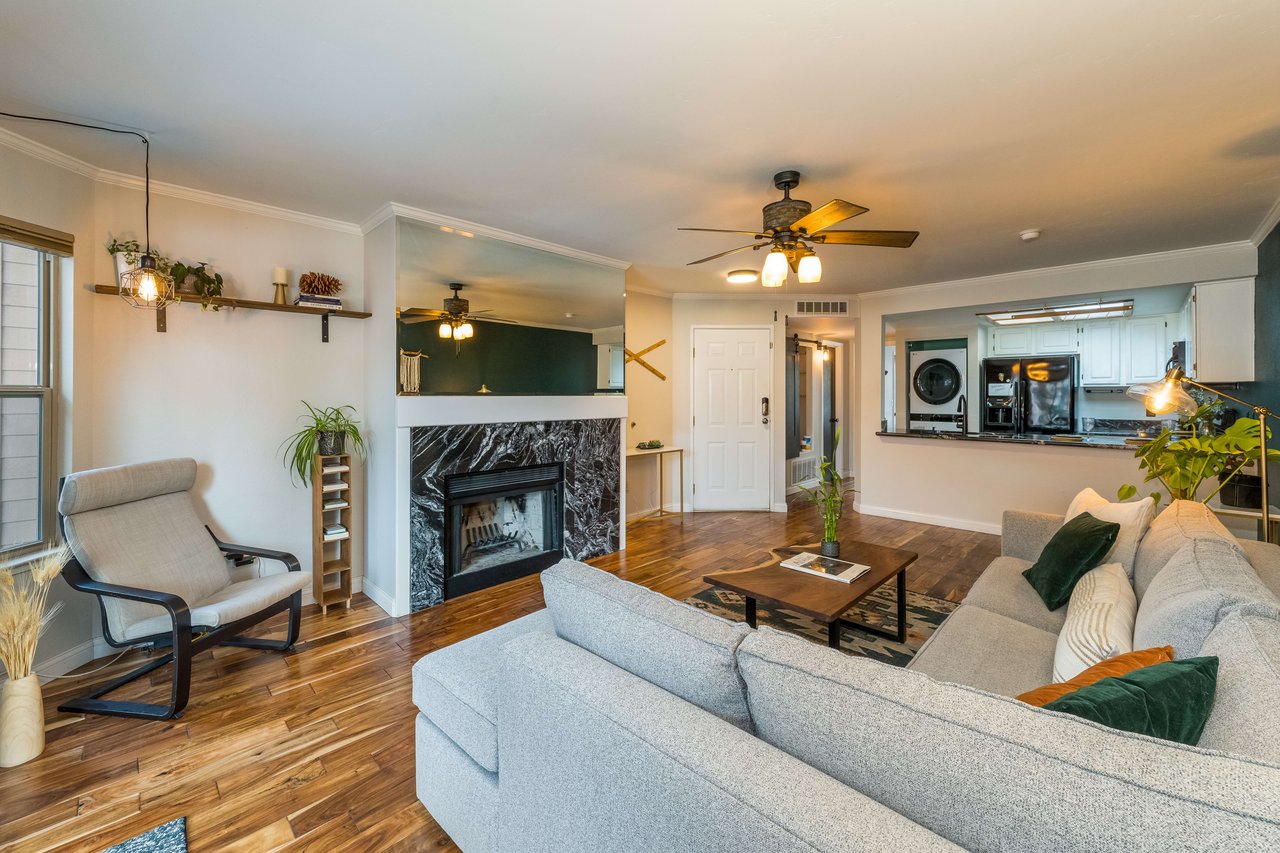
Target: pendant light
point(774, 273)
point(146, 285)
point(810, 269)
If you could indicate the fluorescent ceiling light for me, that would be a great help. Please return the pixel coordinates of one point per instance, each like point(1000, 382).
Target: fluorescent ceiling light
point(1062, 313)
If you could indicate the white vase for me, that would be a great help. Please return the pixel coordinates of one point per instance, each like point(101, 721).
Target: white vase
point(21, 721)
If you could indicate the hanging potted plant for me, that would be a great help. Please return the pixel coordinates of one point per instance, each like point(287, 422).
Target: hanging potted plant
point(325, 434)
point(828, 497)
point(23, 620)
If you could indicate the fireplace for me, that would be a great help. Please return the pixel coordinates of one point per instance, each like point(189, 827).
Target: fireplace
point(501, 524)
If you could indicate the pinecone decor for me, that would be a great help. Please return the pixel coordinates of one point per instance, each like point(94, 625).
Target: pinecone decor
point(319, 284)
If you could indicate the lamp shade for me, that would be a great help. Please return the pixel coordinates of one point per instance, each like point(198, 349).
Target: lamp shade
point(145, 286)
point(1166, 396)
point(810, 270)
point(446, 330)
point(467, 330)
point(774, 273)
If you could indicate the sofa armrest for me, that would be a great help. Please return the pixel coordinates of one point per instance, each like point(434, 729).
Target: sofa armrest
point(1024, 534)
point(597, 759)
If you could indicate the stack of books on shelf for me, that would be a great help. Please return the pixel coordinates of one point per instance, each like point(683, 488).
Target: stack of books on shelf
point(334, 532)
point(311, 300)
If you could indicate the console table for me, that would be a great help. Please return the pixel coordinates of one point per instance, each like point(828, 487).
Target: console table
point(660, 452)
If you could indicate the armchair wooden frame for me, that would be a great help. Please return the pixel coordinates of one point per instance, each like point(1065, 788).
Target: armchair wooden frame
point(180, 640)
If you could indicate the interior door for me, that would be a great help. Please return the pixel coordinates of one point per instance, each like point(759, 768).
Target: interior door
point(829, 419)
point(732, 414)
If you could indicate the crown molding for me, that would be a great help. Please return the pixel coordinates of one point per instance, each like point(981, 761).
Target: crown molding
point(415, 214)
point(120, 179)
point(1267, 225)
point(43, 152)
point(649, 291)
point(1049, 272)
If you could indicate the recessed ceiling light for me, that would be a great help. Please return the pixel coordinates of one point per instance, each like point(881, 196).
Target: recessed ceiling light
point(742, 276)
point(1029, 235)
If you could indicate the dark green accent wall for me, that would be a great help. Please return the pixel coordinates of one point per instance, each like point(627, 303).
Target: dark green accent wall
point(1265, 389)
point(509, 359)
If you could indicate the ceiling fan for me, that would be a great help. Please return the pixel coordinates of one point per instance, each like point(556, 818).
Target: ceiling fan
point(792, 227)
point(455, 319)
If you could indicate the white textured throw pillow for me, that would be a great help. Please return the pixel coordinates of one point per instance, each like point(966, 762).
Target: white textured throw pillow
point(1099, 624)
point(1134, 517)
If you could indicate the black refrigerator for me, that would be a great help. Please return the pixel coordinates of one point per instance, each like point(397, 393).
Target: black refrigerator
point(1035, 395)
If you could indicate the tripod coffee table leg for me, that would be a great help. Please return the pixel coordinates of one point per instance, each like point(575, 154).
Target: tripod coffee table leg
point(833, 634)
point(751, 611)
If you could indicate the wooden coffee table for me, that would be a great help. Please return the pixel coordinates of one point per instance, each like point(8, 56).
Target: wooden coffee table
point(823, 599)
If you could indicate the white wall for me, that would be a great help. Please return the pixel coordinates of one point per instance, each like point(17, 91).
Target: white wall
point(648, 320)
point(969, 484)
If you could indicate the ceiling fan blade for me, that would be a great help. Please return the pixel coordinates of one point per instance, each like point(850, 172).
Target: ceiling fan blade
point(722, 254)
point(893, 239)
point(829, 214)
point(420, 312)
point(755, 234)
point(412, 320)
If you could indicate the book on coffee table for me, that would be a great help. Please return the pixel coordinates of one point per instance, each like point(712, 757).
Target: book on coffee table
point(826, 567)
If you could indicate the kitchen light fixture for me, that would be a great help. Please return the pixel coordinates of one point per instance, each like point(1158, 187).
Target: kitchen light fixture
point(1168, 396)
point(742, 277)
point(1062, 313)
point(774, 272)
point(146, 285)
point(810, 269)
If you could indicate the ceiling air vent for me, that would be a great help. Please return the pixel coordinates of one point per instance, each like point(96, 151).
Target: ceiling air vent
point(817, 308)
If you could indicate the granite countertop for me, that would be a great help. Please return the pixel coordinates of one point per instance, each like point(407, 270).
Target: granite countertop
point(1106, 442)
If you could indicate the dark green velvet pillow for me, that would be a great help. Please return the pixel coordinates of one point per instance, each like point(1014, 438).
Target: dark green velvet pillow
point(1078, 546)
point(1170, 700)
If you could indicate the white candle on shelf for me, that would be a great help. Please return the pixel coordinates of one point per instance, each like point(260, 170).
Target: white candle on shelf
point(280, 275)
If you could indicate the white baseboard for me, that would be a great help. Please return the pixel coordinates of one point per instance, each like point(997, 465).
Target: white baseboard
point(927, 518)
point(380, 597)
point(63, 663)
point(641, 513)
point(779, 507)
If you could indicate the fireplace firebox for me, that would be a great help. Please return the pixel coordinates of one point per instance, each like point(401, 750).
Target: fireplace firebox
point(501, 524)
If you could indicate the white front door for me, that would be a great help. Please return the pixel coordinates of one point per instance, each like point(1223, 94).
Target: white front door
point(732, 418)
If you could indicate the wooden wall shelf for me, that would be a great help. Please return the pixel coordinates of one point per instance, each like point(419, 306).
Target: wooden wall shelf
point(253, 305)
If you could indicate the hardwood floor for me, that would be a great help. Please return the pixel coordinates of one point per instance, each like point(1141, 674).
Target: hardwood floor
point(313, 750)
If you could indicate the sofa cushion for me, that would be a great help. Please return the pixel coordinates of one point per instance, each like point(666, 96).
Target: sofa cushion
point(992, 773)
point(1169, 700)
point(988, 651)
point(457, 687)
point(1265, 559)
point(1099, 621)
point(1247, 645)
point(1002, 589)
point(1134, 517)
point(1118, 665)
point(1188, 597)
point(681, 649)
point(1175, 526)
point(1075, 549)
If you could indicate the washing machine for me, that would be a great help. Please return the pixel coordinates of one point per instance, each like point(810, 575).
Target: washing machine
point(936, 389)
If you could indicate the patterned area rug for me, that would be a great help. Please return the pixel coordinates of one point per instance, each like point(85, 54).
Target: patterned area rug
point(166, 838)
point(924, 614)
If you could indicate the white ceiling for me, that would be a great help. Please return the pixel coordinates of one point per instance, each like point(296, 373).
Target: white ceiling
point(1117, 127)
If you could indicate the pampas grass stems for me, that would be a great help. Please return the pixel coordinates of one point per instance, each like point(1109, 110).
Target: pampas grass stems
point(23, 617)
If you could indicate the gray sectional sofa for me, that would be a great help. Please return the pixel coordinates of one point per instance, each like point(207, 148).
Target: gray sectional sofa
point(619, 720)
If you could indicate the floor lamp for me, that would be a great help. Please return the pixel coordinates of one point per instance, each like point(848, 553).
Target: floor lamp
point(1168, 396)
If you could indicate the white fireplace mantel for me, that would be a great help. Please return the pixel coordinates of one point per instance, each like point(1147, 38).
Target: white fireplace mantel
point(445, 410)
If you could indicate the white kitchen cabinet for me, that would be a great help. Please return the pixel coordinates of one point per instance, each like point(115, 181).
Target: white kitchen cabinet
point(1010, 340)
point(1056, 338)
point(610, 359)
point(1100, 361)
point(1146, 349)
point(1222, 348)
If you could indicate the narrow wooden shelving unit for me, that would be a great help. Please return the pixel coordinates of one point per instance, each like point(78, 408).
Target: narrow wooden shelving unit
point(331, 504)
point(252, 305)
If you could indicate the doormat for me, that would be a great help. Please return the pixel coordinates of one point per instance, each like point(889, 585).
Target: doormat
point(924, 614)
point(166, 838)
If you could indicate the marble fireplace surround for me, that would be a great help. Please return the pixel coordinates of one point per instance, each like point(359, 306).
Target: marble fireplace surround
point(535, 430)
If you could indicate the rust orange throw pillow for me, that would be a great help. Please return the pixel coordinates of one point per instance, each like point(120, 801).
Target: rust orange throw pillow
point(1118, 665)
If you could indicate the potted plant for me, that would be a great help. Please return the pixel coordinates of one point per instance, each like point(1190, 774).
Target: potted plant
point(828, 497)
point(200, 281)
point(127, 252)
point(23, 619)
point(1183, 462)
point(325, 434)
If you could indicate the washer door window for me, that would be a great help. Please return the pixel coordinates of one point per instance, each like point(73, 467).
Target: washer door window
point(936, 382)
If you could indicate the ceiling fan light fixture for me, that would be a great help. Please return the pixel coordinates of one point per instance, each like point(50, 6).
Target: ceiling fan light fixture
point(467, 330)
point(809, 270)
point(446, 330)
point(742, 277)
point(774, 272)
